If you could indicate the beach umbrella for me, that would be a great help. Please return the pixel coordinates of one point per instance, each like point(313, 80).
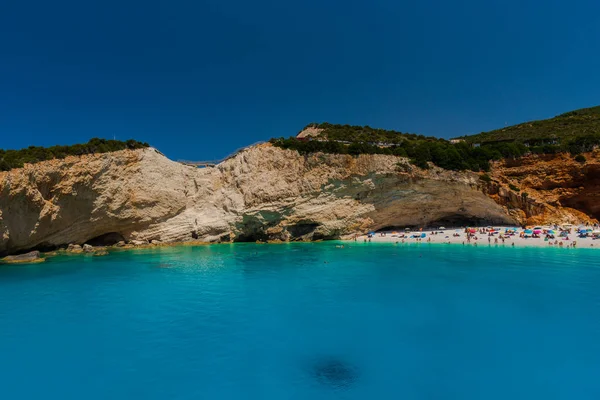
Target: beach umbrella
point(371, 233)
point(423, 235)
point(537, 231)
point(528, 231)
point(551, 231)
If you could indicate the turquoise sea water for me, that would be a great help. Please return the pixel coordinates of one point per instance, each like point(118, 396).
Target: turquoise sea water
point(304, 321)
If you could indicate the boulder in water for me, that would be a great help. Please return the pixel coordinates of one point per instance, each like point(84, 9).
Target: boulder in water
point(31, 257)
point(74, 248)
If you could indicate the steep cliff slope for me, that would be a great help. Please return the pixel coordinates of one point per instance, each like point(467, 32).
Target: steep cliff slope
point(548, 188)
point(262, 193)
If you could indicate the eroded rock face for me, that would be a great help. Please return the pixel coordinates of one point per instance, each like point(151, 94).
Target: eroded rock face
point(263, 193)
point(558, 188)
point(79, 198)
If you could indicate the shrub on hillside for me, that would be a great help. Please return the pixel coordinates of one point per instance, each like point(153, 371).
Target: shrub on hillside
point(10, 159)
point(485, 178)
point(422, 150)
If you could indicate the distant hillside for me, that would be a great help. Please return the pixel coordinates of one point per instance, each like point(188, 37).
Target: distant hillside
point(356, 140)
point(356, 133)
point(574, 132)
point(562, 128)
point(10, 159)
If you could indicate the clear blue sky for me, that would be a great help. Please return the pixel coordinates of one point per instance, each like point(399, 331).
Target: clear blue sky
point(198, 79)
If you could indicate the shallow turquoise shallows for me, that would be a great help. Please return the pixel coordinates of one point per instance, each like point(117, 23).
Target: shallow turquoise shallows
point(304, 321)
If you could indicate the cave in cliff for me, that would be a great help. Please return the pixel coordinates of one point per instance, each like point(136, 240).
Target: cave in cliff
point(459, 221)
point(107, 239)
point(450, 221)
point(255, 227)
point(586, 198)
point(43, 247)
point(252, 237)
point(586, 201)
point(302, 229)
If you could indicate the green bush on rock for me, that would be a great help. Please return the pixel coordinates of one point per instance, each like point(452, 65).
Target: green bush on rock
point(10, 159)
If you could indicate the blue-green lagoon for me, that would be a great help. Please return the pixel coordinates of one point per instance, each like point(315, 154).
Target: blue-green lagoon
point(304, 321)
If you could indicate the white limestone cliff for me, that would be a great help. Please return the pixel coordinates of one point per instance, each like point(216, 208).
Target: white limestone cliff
point(263, 193)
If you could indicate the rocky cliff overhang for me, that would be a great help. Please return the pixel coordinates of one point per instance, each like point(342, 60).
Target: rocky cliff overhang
point(263, 193)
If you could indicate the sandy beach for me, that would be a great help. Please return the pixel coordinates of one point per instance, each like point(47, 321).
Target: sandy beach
point(459, 237)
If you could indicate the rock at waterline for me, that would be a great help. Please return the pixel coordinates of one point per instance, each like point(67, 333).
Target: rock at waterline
point(31, 257)
point(87, 248)
point(74, 248)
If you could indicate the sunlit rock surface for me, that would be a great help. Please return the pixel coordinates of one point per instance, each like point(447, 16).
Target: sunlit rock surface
point(263, 193)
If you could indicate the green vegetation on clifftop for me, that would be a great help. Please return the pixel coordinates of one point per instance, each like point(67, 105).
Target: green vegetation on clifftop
point(10, 159)
point(354, 133)
point(562, 128)
point(574, 132)
point(419, 150)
